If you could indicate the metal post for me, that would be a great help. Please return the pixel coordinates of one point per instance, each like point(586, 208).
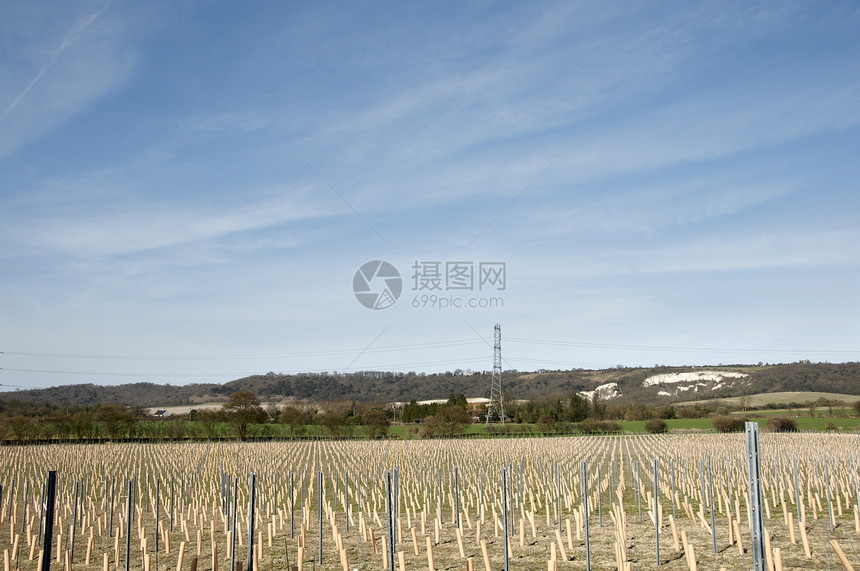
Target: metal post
point(173, 507)
point(638, 491)
point(656, 513)
point(129, 501)
point(711, 495)
point(481, 493)
point(395, 496)
point(674, 513)
point(51, 488)
point(10, 494)
point(796, 490)
point(599, 503)
point(389, 508)
point(292, 506)
point(827, 485)
point(252, 493)
point(233, 519)
point(112, 492)
point(439, 497)
point(158, 506)
point(510, 500)
point(754, 474)
point(74, 524)
point(558, 494)
point(456, 498)
point(346, 495)
point(520, 487)
point(505, 516)
point(223, 493)
point(320, 509)
point(583, 475)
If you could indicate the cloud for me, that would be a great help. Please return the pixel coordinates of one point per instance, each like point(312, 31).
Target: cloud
point(62, 61)
point(69, 39)
point(106, 229)
point(762, 250)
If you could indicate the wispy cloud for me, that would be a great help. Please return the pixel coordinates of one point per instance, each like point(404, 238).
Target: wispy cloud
point(69, 39)
point(138, 227)
point(65, 61)
point(748, 251)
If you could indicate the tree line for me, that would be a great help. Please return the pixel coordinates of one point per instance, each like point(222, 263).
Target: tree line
point(243, 416)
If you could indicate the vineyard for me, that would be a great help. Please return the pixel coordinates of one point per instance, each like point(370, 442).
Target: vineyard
point(608, 502)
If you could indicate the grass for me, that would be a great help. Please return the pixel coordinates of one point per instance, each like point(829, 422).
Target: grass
point(194, 431)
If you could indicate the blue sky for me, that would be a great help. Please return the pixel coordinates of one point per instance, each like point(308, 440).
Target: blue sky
point(187, 189)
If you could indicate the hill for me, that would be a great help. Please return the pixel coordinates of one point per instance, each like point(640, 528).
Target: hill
point(651, 385)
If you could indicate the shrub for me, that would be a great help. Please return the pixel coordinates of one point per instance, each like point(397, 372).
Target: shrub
point(546, 424)
point(608, 426)
point(591, 426)
point(564, 427)
point(666, 412)
point(656, 426)
point(587, 426)
point(781, 424)
point(726, 423)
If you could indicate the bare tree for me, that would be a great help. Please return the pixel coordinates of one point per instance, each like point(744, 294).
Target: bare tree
point(243, 409)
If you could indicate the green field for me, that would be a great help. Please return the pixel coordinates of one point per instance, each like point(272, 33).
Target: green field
point(193, 430)
point(627, 426)
point(803, 423)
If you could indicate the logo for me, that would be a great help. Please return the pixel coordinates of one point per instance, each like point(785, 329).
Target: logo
point(377, 285)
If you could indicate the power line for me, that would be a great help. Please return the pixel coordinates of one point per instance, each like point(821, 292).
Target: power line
point(419, 346)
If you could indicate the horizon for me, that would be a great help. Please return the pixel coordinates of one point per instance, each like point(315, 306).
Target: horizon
point(455, 372)
point(209, 191)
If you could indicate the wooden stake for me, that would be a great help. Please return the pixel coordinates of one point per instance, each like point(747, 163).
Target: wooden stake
point(485, 553)
point(674, 527)
point(777, 558)
point(691, 561)
point(414, 540)
point(841, 554)
point(460, 548)
point(792, 535)
point(561, 545)
point(805, 540)
point(431, 565)
point(856, 520)
point(739, 538)
point(768, 552)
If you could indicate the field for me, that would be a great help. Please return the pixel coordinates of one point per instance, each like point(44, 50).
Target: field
point(193, 430)
point(778, 398)
point(186, 498)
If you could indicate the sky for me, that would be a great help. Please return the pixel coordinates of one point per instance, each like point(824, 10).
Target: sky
point(196, 191)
